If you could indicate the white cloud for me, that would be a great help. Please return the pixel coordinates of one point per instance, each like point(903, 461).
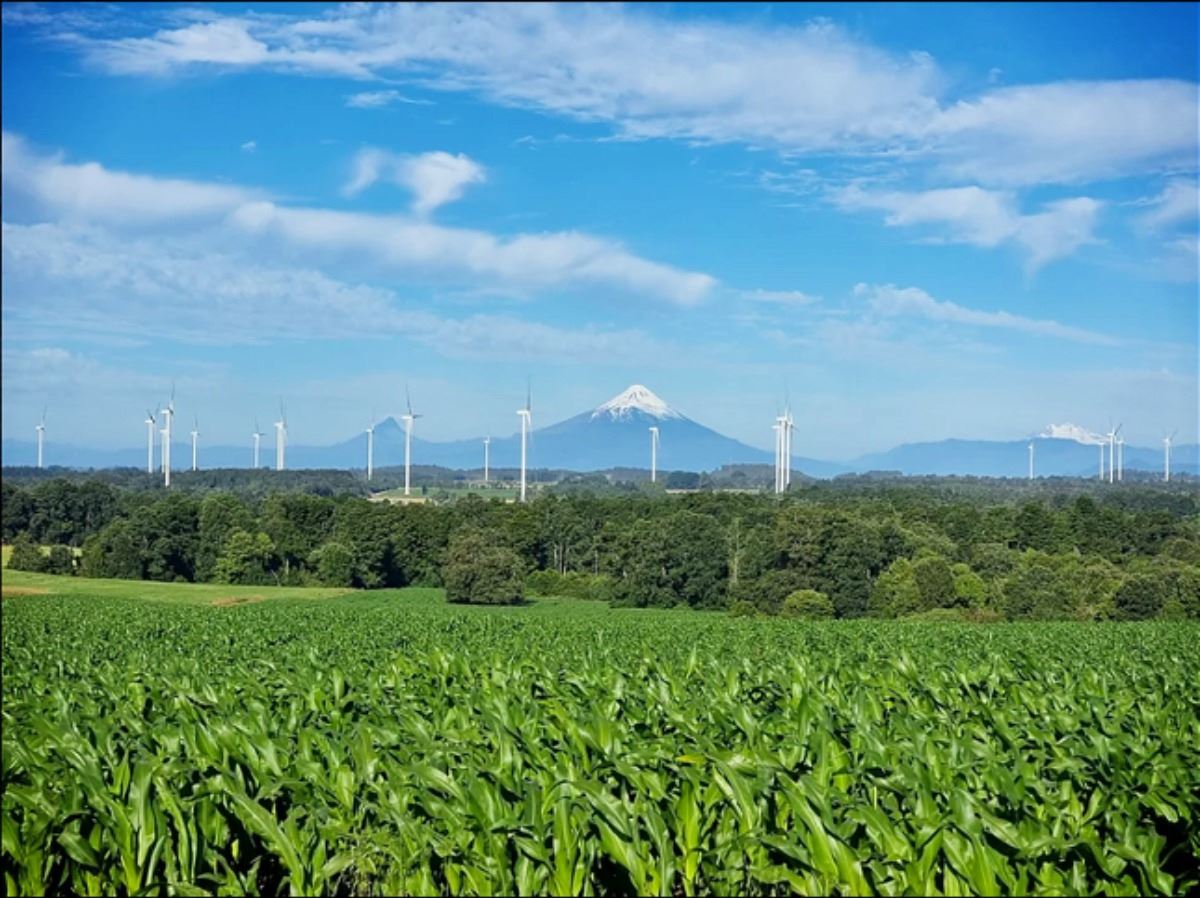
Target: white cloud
point(80, 283)
point(225, 41)
point(434, 178)
point(986, 218)
point(249, 146)
point(90, 191)
point(1059, 230)
point(815, 87)
point(532, 260)
point(377, 99)
point(58, 374)
point(146, 288)
point(891, 301)
point(1068, 132)
point(1178, 203)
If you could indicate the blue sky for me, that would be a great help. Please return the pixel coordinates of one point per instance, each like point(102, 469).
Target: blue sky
point(916, 221)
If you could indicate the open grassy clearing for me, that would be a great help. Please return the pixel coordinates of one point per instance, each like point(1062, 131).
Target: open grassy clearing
point(455, 492)
point(17, 583)
point(386, 742)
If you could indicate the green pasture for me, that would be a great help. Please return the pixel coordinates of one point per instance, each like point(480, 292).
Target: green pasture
point(24, 583)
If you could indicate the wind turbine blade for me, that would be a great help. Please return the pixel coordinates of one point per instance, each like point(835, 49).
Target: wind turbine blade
point(407, 400)
point(1173, 432)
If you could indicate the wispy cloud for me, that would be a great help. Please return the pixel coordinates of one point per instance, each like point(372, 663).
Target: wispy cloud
point(249, 146)
point(90, 190)
point(91, 193)
point(1178, 203)
point(891, 301)
point(1068, 132)
point(812, 88)
point(434, 178)
point(76, 283)
point(792, 298)
point(377, 99)
point(537, 261)
point(62, 374)
point(986, 218)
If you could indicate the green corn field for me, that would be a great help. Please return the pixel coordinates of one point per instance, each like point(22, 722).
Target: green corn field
point(390, 744)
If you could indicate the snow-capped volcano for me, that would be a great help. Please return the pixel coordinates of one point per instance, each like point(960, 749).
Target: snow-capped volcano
point(1071, 432)
point(635, 398)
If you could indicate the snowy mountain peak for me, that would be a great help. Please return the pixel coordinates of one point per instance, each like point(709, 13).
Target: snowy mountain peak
point(1072, 432)
point(635, 398)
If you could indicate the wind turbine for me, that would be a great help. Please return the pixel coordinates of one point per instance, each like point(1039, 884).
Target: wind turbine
point(168, 416)
point(280, 437)
point(1112, 445)
point(149, 441)
point(371, 446)
point(408, 417)
point(257, 439)
point(526, 415)
point(782, 423)
point(195, 434)
point(41, 436)
point(653, 454)
point(1167, 456)
point(487, 449)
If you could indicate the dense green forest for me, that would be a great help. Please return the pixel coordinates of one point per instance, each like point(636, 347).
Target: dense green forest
point(851, 547)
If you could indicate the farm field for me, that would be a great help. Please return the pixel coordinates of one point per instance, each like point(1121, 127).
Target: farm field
point(157, 738)
point(456, 492)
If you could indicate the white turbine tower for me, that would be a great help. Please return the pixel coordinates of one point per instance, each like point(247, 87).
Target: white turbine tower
point(195, 434)
point(526, 415)
point(789, 426)
point(41, 436)
point(409, 417)
point(1121, 459)
point(150, 422)
point(1167, 456)
point(1112, 447)
point(168, 416)
point(782, 438)
point(371, 446)
point(1101, 444)
point(1031, 460)
point(257, 440)
point(280, 437)
point(487, 451)
point(653, 454)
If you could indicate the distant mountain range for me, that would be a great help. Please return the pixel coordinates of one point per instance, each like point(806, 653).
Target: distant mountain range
point(616, 434)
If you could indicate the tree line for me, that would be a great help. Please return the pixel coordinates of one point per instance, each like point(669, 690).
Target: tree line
point(848, 548)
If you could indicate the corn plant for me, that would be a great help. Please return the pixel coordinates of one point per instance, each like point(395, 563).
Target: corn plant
point(389, 744)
